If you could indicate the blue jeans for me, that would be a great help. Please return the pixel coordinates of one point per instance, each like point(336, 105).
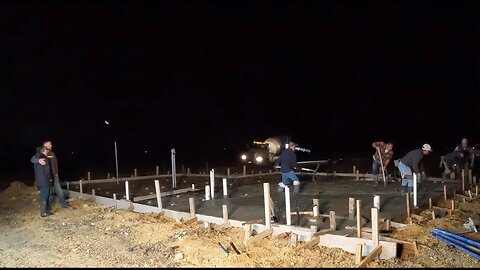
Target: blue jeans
point(60, 194)
point(405, 172)
point(289, 175)
point(44, 194)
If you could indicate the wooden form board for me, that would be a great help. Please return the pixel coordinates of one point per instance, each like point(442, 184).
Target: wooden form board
point(259, 236)
point(406, 247)
point(164, 193)
point(349, 244)
point(370, 257)
point(311, 243)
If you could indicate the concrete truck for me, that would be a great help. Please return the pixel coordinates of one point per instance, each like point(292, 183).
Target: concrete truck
point(267, 152)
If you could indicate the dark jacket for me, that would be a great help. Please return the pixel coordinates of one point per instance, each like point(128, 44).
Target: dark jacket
point(53, 161)
point(412, 159)
point(43, 173)
point(287, 160)
point(470, 156)
point(455, 158)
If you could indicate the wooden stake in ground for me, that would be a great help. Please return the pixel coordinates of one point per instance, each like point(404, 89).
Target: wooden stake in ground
point(127, 194)
point(81, 187)
point(445, 192)
point(387, 225)
point(248, 232)
point(287, 206)
point(225, 213)
point(191, 201)
point(316, 208)
point(463, 180)
point(266, 200)
point(225, 190)
point(430, 203)
point(407, 198)
point(207, 193)
point(351, 208)
point(272, 207)
point(159, 196)
point(359, 219)
point(375, 237)
point(375, 252)
point(358, 253)
point(293, 239)
point(333, 221)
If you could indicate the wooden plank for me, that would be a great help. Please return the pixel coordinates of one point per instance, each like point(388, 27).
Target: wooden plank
point(368, 235)
point(375, 236)
point(165, 193)
point(255, 221)
point(314, 241)
point(248, 232)
point(359, 218)
point(293, 239)
point(190, 221)
point(417, 217)
point(358, 254)
point(323, 231)
point(259, 236)
point(463, 197)
point(438, 179)
point(397, 224)
point(370, 257)
point(349, 244)
point(272, 207)
point(304, 213)
point(409, 249)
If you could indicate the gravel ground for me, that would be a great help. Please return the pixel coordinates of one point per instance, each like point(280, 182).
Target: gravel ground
point(89, 236)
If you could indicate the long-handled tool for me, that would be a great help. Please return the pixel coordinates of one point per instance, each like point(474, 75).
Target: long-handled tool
point(383, 169)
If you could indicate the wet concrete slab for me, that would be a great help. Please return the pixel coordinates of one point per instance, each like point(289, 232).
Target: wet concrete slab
point(245, 199)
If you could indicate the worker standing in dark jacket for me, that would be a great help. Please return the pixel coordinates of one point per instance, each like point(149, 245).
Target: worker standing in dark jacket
point(288, 161)
point(57, 188)
point(43, 178)
point(411, 163)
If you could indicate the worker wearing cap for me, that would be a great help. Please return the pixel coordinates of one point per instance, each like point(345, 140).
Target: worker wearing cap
point(410, 163)
point(287, 162)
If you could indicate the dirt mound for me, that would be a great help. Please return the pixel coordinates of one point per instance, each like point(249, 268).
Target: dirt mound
point(17, 189)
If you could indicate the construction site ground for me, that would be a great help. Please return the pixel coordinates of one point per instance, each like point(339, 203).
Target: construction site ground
point(90, 236)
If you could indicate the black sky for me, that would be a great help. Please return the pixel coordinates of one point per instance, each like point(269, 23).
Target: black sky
point(208, 77)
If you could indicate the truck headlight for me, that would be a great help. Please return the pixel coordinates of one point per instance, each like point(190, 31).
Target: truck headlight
point(259, 159)
point(244, 157)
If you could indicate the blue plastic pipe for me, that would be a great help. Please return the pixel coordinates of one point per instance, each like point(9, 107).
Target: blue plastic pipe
point(471, 253)
point(460, 243)
point(456, 236)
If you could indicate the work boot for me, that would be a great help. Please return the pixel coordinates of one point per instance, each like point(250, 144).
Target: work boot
point(281, 187)
point(274, 219)
point(296, 186)
point(43, 210)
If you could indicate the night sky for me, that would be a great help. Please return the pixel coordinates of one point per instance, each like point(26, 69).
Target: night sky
point(206, 78)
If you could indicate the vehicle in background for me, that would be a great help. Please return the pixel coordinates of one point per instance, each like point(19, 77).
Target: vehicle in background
point(267, 152)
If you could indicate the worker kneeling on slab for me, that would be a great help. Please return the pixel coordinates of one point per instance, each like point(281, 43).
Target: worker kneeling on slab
point(287, 162)
point(411, 163)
